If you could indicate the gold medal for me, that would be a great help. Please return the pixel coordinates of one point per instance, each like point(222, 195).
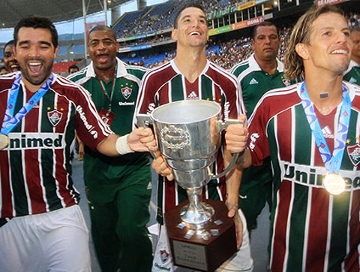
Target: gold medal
point(334, 183)
point(4, 141)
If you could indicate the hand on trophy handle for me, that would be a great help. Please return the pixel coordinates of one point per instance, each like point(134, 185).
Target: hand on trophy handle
point(236, 136)
point(142, 140)
point(161, 167)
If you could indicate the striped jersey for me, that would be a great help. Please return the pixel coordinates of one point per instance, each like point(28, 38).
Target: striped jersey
point(166, 84)
point(35, 169)
point(120, 96)
point(352, 74)
point(311, 229)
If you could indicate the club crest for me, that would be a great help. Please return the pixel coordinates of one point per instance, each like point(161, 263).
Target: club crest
point(126, 92)
point(54, 117)
point(164, 255)
point(354, 154)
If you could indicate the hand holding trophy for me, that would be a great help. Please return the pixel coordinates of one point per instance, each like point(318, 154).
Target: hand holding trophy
point(189, 136)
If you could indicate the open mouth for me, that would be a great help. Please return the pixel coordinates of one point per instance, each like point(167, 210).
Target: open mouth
point(15, 67)
point(35, 67)
point(194, 33)
point(340, 51)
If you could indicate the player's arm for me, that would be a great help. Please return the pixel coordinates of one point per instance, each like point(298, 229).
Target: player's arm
point(139, 140)
point(236, 140)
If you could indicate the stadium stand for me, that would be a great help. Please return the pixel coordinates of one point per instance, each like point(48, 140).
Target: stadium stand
point(145, 35)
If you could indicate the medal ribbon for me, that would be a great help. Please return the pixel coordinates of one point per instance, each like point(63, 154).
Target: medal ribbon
point(10, 121)
point(109, 98)
point(332, 162)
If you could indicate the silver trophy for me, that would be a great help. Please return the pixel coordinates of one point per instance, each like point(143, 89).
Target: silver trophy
point(189, 136)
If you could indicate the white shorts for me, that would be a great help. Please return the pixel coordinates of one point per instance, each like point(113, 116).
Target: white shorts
point(240, 261)
point(52, 241)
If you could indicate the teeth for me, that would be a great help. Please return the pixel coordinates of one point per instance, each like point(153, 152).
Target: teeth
point(194, 33)
point(340, 51)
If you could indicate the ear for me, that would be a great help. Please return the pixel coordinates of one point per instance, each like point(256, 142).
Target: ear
point(56, 52)
point(174, 34)
point(301, 50)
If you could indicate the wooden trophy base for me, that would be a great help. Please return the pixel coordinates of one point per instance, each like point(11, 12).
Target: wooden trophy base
point(190, 249)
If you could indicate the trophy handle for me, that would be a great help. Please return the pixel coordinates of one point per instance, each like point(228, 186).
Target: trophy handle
point(221, 126)
point(144, 120)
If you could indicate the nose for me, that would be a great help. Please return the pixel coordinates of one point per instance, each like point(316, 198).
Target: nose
point(343, 38)
point(33, 51)
point(267, 39)
point(101, 45)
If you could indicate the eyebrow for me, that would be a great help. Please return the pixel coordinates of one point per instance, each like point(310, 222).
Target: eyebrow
point(188, 16)
point(39, 42)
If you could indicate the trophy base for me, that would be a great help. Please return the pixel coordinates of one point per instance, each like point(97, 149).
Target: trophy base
point(203, 249)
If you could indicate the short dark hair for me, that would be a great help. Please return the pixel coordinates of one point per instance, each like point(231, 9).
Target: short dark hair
point(103, 28)
point(191, 5)
point(355, 28)
point(73, 66)
point(37, 22)
point(266, 23)
point(9, 43)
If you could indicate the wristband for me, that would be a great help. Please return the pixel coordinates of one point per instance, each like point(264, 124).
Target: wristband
point(122, 146)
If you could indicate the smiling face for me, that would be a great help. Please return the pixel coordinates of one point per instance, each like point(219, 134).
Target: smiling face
point(35, 54)
point(192, 29)
point(329, 45)
point(10, 62)
point(102, 48)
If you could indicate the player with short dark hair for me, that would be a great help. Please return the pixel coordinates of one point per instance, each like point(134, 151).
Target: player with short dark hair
point(41, 226)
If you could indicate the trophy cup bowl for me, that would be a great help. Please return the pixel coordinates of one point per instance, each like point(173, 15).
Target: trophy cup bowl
point(189, 135)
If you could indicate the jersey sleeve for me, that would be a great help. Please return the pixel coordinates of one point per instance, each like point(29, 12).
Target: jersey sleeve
point(258, 140)
point(89, 126)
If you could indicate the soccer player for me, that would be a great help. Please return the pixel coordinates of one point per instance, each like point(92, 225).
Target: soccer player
point(352, 74)
point(10, 62)
point(261, 72)
point(311, 133)
point(41, 226)
point(118, 189)
point(191, 76)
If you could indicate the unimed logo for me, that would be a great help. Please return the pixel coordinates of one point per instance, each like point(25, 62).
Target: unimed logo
point(36, 141)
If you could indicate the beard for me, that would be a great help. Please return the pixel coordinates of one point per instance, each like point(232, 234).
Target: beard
point(37, 76)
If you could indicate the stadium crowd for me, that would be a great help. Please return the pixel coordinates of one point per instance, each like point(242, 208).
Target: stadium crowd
point(227, 53)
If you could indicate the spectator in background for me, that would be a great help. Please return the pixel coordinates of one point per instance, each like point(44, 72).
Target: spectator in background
point(352, 74)
point(261, 72)
point(118, 189)
point(316, 165)
point(73, 69)
point(10, 62)
point(79, 144)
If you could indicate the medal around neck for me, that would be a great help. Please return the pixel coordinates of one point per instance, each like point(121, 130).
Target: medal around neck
point(4, 141)
point(334, 183)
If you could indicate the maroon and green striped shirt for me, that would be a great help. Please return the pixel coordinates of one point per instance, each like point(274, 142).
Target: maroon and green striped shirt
point(35, 169)
point(166, 84)
point(311, 229)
